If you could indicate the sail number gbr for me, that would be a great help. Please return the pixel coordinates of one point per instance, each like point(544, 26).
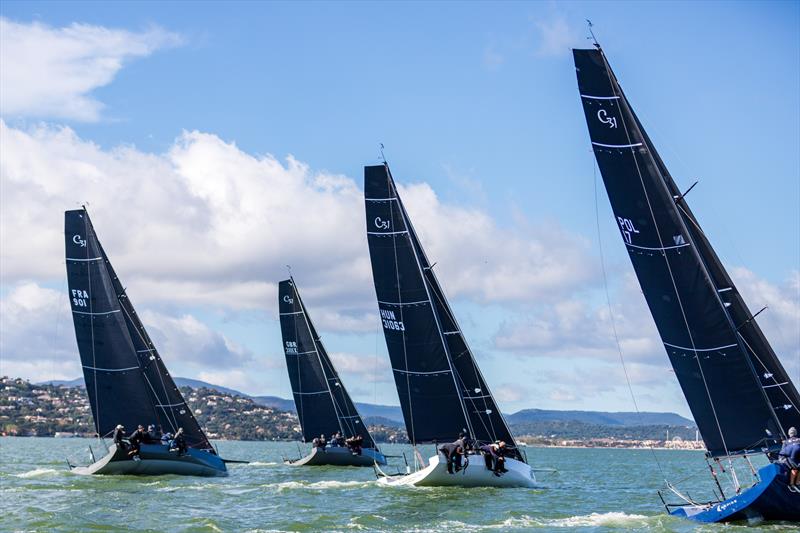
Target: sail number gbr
point(390, 321)
point(79, 297)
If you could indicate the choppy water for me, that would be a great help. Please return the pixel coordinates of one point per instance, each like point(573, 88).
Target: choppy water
point(593, 490)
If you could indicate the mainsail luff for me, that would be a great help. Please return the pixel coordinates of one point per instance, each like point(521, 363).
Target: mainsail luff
point(409, 273)
point(715, 373)
point(309, 364)
point(130, 385)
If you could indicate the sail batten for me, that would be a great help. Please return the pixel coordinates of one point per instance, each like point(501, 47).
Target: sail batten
point(118, 359)
point(441, 389)
point(685, 286)
point(323, 404)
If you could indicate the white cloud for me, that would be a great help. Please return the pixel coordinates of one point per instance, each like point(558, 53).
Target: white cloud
point(577, 328)
point(51, 72)
point(208, 224)
point(189, 341)
point(36, 336)
point(556, 36)
point(359, 368)
point(37, 339)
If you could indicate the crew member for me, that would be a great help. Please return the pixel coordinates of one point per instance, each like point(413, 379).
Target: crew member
point(494, 456)
point(453, 452)
point(179, 443)
point(119, 437)
point(136, 439)
point(790, 456)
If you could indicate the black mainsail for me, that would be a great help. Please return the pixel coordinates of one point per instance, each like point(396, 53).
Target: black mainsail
point(740, 395)
point(441, 388)
point(126, 380)
point(323, 404)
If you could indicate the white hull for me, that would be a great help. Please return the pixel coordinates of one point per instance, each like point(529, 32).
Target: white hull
point(474, 475)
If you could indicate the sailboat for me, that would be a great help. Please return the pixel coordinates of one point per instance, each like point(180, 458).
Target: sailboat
point(126, 380)
point(442, 391)
point(741, 397)
point(322, 402)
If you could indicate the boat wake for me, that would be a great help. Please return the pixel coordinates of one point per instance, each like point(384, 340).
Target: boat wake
point(36, 473)
point(526, 522)
point(318, 485)
point(601, 519)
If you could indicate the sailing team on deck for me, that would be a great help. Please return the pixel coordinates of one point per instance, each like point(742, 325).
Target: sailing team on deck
point(493, 454)
point(133, 442)
point(354, 443)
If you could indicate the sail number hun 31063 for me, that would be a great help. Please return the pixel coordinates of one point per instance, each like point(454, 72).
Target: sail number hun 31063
point(390, 321)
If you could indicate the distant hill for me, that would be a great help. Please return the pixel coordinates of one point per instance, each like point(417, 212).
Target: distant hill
point(392, 416)
point(600, 418)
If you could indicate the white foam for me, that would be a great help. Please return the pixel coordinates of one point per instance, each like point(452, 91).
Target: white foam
point(318, 485)
point(37, 472)
point(600, 519)
point(257, 463)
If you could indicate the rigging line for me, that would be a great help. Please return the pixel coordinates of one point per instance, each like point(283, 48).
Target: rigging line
point(418, 251)
point(476, 368)
point(611, 313)
point(666, 259)
point(319, 357)
point(442, 299)
point(390, 190)
point(91, 322)
point(173, 421)
point(772, 377)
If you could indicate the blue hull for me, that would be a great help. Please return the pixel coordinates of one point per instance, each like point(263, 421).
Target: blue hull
point(770, 499)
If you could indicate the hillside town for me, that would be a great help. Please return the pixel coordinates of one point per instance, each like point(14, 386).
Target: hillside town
point(45, 410)
point(40, 410)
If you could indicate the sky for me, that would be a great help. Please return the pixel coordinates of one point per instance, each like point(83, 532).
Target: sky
point(214, 144)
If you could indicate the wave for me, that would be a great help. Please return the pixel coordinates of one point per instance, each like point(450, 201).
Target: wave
point(600, 519)
point(613, 519)
point(257, 463)
point(37, 472)
point(318, 485)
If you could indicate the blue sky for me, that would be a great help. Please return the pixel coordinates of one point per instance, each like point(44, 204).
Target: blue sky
point(475, 102)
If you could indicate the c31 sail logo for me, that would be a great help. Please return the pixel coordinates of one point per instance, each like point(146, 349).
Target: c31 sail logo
point(77, 240)
point(288, 299)
point(603, 117)
point(382, 224)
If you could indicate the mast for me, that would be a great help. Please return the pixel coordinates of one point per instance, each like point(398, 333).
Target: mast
point(323, 404)
point(416, 314)
point(728, 402)
point(126, 379)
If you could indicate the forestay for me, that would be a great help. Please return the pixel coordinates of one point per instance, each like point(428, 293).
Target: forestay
point(440, 386)
point(323, 404)
point(126, 380)
point(729, 374)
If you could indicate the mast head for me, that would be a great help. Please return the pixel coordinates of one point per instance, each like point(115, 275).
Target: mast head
point(591, 34)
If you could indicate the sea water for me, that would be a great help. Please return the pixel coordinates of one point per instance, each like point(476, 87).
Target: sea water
point(590, 490)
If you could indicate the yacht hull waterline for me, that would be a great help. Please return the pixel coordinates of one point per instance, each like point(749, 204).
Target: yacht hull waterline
point(770, 499)
point(155, 460)
point(339, 457)
point(473, 474)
